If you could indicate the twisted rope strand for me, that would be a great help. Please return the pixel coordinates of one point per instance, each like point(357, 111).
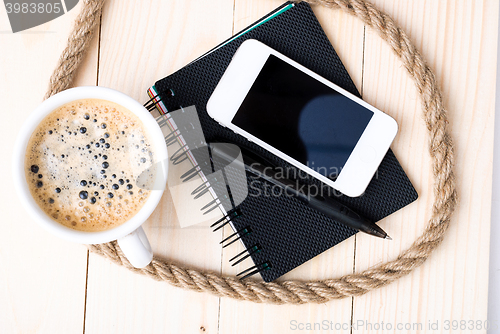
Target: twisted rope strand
point(299, 292)
point(78, 43)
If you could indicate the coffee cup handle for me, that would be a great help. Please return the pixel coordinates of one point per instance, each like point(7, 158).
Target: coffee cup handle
point(136, 248)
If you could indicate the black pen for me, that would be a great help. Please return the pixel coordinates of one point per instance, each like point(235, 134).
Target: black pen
point(326, 205)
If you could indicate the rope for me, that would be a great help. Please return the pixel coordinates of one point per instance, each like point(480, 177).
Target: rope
point(299, 292)
point(78, 43)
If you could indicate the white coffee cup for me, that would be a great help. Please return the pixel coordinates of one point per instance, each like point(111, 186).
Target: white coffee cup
point(130, 235)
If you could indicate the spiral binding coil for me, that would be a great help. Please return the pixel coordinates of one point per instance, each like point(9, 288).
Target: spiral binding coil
point(181, 155)
point(257, 269)
point(152, 103)
point(252, 250)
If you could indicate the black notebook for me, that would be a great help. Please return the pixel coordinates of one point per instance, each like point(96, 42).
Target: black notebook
point(280, 232)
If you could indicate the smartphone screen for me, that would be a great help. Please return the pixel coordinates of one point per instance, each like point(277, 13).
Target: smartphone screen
point(303, 118)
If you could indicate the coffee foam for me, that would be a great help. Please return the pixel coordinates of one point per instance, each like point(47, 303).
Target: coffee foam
point(83, 161)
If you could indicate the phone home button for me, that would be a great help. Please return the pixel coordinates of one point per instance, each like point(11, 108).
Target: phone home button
point(367, 153)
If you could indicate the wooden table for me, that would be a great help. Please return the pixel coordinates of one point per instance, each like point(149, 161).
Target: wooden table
point(48, 285)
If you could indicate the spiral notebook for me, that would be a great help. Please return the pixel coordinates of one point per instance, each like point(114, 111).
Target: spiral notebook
point(278, 232)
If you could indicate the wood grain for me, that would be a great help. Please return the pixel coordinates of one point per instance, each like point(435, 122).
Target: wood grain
point(42, 278)
point(43, 284)
point(141, 43)
point(246, 317)
point(452, 284)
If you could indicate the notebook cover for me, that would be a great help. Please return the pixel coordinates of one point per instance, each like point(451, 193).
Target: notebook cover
point(289, 232)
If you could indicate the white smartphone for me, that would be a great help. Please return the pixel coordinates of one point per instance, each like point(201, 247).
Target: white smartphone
point(301, 117)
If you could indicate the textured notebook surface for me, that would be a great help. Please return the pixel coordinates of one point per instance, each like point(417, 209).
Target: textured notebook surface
point(288, 232)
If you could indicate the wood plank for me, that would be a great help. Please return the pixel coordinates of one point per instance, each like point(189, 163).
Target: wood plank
point(458, 39)
point(346, 35)
point(188, 210)
point(141, 43)
point(42, 278)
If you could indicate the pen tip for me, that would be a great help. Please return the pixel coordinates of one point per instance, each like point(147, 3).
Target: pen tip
point(388, 237)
